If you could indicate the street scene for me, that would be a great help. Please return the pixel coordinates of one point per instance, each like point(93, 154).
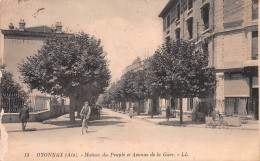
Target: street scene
point(129, 80)
point(117, 133)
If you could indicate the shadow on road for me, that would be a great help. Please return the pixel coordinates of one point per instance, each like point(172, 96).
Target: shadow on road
point(105, 123)
point(103, 117)
point(62, 123)
point(177, 123)
point(35, 129)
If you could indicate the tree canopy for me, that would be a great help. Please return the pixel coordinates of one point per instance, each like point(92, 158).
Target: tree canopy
point(181, 70)
point(74, 65)
point(178, 69)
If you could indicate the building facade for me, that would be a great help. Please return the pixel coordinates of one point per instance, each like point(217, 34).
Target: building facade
point(228, 31)
point(20, 43)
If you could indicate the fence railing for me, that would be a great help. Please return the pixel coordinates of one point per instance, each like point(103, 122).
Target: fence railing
point(13, 102)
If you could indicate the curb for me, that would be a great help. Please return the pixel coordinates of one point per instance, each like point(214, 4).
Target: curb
point(232, 128)
point(195, 126)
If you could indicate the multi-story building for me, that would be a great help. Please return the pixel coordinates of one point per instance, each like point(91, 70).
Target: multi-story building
point(22, 42)
point(228, 31)
point(143, 105)
point(19, 43)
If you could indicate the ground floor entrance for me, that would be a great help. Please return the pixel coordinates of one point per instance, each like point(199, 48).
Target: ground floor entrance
point(255, 104)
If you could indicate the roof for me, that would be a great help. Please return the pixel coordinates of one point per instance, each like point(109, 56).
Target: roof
point(37, 31)
point(40, 29)
point(167, 8)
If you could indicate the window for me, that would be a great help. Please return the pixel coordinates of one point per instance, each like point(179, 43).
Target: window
point(168, 21)
point(205, 48)
point(236, 106)
point(178, 11)
point(205, 15)
point(190, 4)
point(190, 27)
point(254, 9)
point(164, 24)
point(178, 33)
point(255, 45)
point(168, 38)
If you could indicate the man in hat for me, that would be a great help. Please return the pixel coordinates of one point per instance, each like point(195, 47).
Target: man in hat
point(24, 115)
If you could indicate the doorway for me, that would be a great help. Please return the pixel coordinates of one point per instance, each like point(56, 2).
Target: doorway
point(255, 98)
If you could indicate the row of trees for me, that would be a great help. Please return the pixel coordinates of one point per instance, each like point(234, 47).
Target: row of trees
point(177, 69)
point(70, 65)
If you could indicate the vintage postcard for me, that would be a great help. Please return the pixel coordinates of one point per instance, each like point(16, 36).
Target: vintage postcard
point(129, 80)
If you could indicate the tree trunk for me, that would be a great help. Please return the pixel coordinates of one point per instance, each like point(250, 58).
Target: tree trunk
point(72, 108)
point(79, 106)
point(181, 112)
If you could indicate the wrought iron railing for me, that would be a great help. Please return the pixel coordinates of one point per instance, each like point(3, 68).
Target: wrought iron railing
point(13, 102)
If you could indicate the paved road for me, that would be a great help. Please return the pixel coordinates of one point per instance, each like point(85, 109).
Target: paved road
point(122, 138)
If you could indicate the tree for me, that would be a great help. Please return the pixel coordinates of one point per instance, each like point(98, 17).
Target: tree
point(181, 70)
point(72, 65)
point(12, 94)
point(127, 86)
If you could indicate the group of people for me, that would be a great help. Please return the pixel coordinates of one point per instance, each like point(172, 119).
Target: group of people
point(84, 113)
point(24, 114)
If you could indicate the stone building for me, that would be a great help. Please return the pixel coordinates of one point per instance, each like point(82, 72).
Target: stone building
point(228, 31)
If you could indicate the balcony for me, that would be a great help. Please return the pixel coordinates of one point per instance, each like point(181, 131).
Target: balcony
point(177, 21)
point(189, 12)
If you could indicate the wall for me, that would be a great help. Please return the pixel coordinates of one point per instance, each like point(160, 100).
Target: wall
point(16, 49)
point(55, 111)
point(230, 50)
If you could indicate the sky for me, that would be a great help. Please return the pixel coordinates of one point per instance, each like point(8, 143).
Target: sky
point(127, 28)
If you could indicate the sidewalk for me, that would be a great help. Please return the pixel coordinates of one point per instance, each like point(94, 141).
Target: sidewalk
point(187, 122)
point(51, 124)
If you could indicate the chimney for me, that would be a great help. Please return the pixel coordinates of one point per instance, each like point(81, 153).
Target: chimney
point(58, 27)
point(11, 26)
point(21, 25)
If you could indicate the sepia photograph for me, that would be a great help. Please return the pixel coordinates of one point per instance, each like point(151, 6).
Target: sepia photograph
point(126, 80)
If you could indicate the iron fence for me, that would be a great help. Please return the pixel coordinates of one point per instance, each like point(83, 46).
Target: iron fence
point(13, 102)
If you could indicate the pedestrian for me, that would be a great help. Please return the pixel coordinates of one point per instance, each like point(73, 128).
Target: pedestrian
point(85, 114)
point(131, 112)
point(168, 113)
point(24, 115)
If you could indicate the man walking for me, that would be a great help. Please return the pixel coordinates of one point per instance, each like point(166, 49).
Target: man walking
point(24, 115)
point(85, 114)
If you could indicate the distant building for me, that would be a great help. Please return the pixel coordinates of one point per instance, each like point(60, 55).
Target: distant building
point(137, 64)
point(228, 31)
